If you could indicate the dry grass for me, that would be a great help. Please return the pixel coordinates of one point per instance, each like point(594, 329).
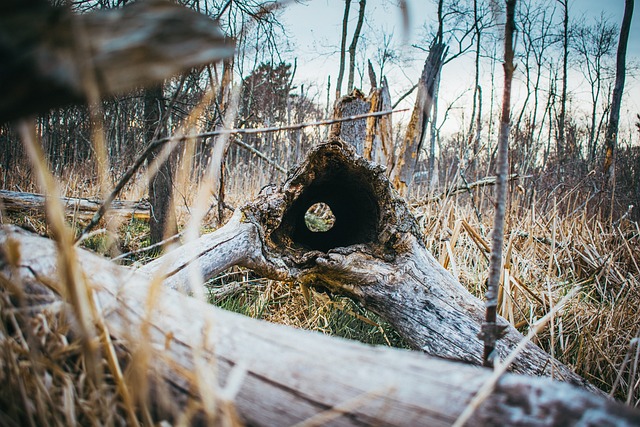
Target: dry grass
point(43, 367)
point(547, 254)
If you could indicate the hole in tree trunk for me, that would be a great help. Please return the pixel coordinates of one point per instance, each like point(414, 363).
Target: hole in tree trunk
point(319, 218)
point(346, 189)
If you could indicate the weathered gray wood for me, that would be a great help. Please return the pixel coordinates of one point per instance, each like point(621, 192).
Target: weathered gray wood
point(236, 243)
point(79, 208)
point(408, 152)
point(371, 138)
point(285, 376)
point(48, 55)
point(352, 132)
point(374, 254)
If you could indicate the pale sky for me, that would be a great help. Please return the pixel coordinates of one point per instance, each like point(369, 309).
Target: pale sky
point(315, 28)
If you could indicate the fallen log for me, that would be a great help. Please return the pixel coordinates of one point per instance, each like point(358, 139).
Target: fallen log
point(374, 254)
point(81, 209)
point(275, 375)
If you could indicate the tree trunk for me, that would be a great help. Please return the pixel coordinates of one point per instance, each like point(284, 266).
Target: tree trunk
point(353, 132)
point(409, 151)
point(372, 138)
point(472, 139)
point(374, 254)
point(560, 141)
point(353, 45)
point(491, 331)
point(378, 141)
point(162, 221)
point(343, 47)
point(616, 99)
point(268, 374)
point(224, 102)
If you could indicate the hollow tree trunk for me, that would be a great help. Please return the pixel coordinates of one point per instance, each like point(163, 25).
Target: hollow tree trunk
point(374, 254)
point(273, 375)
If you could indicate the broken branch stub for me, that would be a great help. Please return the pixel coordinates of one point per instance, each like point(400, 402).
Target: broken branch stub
point(375, 254)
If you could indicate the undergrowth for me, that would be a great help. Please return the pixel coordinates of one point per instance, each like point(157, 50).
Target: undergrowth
point(548, 252)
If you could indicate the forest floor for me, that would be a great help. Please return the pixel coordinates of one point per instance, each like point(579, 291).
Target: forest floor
point(548, 253)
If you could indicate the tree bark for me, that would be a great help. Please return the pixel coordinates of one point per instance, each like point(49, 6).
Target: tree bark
point(138, 45)
point(353, 132)
point(618, 89)
point(273, 375)
point(372, 138)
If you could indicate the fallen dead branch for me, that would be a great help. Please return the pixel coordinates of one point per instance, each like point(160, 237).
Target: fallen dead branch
point(466, 188)
point(82, 209)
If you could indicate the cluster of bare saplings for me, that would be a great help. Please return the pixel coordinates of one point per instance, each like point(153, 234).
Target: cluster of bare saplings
point(88, 340)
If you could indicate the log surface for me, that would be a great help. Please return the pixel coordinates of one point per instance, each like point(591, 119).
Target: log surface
point(80, 208)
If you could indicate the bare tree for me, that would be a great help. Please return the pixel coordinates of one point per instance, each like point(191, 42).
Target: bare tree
point(614, 116)
point(560, 140)
point(594, 45)
point(162, 219)
point(537, 24)
point(473, 138)
point(354, 43)
point(343, 47)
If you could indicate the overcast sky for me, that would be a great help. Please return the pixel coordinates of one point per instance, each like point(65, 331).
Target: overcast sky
point(315, 28)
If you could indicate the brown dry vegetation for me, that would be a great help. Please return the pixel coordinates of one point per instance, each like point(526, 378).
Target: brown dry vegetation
point(568, 234)
point(548, 252)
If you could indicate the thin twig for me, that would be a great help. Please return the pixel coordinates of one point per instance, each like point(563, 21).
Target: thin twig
point(150, 247)
point(260, 154)
point(297, 126)
point(407, 93)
